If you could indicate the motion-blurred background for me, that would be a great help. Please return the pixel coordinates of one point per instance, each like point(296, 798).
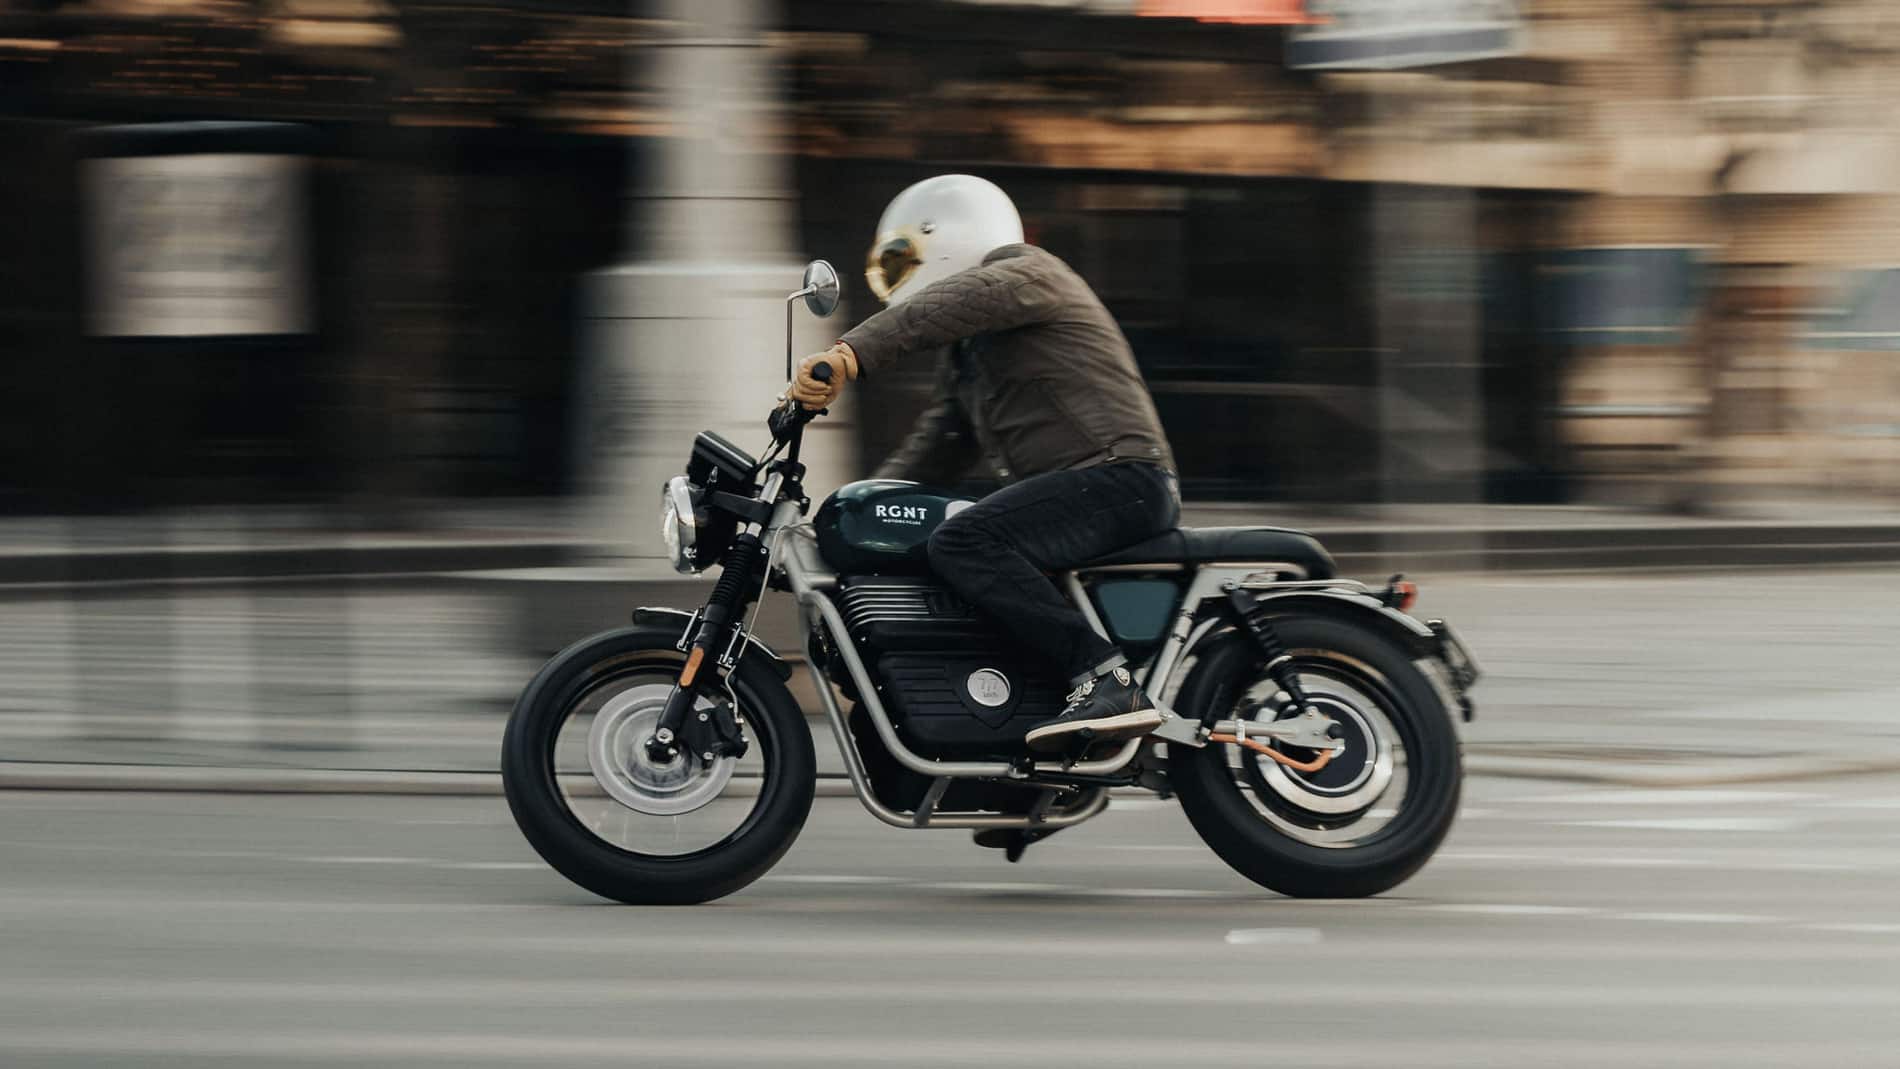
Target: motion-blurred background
point(347, 341)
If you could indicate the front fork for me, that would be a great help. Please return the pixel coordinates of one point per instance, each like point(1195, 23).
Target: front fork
point(714, 633)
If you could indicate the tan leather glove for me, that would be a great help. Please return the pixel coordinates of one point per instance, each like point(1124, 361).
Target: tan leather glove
point(810, 392)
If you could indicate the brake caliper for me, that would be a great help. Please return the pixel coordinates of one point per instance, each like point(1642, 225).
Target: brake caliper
point(710, 734)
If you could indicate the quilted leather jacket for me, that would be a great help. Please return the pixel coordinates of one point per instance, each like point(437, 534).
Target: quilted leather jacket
point(1033, 374)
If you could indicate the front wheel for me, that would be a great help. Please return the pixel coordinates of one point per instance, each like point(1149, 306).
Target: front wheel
point(598, 808)
point(1366, 821)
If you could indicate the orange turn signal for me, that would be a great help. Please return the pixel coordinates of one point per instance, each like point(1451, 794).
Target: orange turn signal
point(692, 667)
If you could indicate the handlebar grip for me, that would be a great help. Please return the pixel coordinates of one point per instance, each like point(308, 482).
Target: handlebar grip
point(821, 371)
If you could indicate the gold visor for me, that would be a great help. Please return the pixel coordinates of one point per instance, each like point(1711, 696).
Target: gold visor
point(892, 260)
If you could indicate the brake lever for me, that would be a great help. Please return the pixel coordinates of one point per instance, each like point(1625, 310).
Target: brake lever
point(792, 414)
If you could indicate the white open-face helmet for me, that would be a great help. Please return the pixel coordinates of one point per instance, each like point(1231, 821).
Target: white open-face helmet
point(936, 228)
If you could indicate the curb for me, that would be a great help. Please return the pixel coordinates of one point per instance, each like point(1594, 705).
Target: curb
point(50, 776)
point(291, 561)
point(1357, 548)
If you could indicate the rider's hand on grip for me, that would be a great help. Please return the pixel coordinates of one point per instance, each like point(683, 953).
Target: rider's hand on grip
point(814, 388)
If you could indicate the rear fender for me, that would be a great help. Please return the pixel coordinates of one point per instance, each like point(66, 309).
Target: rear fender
point(1422, 641)
point(1360, 610)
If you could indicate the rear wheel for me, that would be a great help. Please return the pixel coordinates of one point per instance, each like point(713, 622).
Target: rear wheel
point(598, 808)
point(1366, 821)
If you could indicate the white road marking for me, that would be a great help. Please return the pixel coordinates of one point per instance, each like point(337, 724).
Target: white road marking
point(1697, 918)
point(625, 992)
point(1757, 824)
point(1274, 937)
point(115, 905)
point(1682, 796)
point(1531, 859)
point(1506, 857)
point(1856, 928)
point(945, 1047)
point(500, 866)
point(1508, 909)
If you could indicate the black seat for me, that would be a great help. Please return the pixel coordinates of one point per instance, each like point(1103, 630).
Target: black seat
point(1240, 545)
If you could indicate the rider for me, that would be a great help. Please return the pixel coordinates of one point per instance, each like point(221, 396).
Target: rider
point(1034, 379)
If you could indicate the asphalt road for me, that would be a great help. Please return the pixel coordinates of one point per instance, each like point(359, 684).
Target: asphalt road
point(1559, 927)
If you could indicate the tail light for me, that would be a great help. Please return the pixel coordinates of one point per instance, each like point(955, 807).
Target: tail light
point(1400, 594)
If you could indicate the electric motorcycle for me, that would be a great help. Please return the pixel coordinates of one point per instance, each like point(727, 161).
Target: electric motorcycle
point(1311, 736)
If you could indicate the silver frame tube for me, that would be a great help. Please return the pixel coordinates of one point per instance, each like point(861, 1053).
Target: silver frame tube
point(810, 581)
point(1208, 580)
point(1094, 801)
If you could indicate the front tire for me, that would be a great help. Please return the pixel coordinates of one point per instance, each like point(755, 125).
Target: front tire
point(1366, 828)
point(637, 857)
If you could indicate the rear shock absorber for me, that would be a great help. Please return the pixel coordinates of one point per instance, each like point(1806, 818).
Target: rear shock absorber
point(1279, 661)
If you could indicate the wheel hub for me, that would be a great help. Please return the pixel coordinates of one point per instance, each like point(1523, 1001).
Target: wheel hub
point(645, 780)
point(1351, 782)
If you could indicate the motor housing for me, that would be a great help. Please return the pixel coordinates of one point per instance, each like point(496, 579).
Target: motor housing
point(945, 671)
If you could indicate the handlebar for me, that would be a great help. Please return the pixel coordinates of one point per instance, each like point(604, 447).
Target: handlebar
point(790, 418)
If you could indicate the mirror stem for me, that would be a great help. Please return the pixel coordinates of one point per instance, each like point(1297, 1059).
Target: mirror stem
point(789, 301)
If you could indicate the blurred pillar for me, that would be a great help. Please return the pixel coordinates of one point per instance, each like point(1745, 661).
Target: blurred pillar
point(1430, 338)
point(1430, 331)
point(687, 333)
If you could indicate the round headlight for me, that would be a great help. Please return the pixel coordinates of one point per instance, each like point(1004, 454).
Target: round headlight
point(678, 527)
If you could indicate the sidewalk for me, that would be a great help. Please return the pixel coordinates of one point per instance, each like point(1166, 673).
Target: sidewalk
point(242, 544)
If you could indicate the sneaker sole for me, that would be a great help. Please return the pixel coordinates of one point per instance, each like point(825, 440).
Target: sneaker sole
point(1105, 728)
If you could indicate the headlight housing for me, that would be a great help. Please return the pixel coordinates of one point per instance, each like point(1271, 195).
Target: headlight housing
point(679, 524)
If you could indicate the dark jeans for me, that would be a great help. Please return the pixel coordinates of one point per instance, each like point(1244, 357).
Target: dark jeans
point(996, 553)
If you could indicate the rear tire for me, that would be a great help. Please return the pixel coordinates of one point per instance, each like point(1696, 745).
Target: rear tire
point(543, 811)
point(1264, 849)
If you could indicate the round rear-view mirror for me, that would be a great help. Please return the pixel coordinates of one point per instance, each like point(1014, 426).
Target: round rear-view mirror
point(821, 288)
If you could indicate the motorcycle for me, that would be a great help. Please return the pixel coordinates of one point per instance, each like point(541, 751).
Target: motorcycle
point(1311, 732)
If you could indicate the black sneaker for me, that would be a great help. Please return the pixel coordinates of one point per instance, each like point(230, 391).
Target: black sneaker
point(1105, 708)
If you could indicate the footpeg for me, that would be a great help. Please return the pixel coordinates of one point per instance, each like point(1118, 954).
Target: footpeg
point(1178, 730)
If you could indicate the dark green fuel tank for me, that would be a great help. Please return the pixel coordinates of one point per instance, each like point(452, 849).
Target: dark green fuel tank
point(881, 526)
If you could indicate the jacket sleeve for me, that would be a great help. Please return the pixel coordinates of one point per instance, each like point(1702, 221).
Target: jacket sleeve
point(997, 296)
point(941, 447)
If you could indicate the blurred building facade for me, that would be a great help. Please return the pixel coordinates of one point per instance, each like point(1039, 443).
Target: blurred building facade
point(1650, 248)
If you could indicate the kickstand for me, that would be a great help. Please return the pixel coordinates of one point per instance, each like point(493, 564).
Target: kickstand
point(1020, 842)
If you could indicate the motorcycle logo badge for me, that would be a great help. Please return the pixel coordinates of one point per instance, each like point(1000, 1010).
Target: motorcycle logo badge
point(988, 687)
